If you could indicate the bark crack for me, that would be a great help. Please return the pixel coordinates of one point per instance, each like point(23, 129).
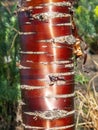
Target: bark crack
point(51, 115)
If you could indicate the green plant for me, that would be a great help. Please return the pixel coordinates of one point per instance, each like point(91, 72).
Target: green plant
point(86, 20)
point(80, 78)
point(9, 73)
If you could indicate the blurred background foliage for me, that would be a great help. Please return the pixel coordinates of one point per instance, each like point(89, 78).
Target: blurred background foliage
point(9, 57)
point(86, 14)
point(86, 19)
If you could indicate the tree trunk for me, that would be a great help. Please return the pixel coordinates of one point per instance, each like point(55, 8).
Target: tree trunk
point(47, 74)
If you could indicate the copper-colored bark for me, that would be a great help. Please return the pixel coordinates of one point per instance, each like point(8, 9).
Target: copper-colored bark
point(46, 70)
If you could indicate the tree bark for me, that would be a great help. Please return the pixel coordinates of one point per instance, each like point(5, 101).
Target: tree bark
point(46, 67)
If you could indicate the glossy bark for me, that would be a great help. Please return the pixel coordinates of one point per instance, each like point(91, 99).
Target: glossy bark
point(46, 67)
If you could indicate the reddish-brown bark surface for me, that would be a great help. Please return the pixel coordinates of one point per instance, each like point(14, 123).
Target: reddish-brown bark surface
point(47, 74)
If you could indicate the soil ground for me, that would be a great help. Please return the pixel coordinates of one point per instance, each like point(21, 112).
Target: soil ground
point(91, 69)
